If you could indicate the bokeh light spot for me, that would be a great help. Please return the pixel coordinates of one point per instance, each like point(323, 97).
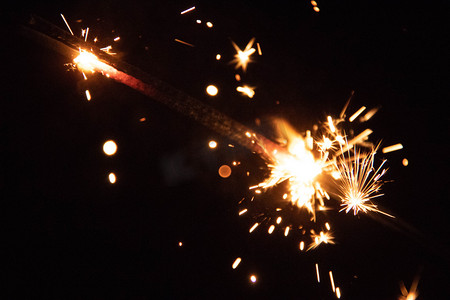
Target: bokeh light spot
point(110, 147)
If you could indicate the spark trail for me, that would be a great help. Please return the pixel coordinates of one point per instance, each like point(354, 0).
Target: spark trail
point(94, 60)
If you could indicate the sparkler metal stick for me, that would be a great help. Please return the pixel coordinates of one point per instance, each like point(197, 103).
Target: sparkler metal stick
point(69, 45)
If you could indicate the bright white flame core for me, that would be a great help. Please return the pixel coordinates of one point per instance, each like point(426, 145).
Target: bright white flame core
point(300, 168)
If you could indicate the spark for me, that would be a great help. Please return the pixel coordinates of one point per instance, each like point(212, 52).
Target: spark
point(187, 10)
point(360, 182)
point(236, 263)
point(116, 39)
point(242, 58)
point(253, 227)
point(317, 272)
point(330, 124)
point(253, 278)
point(67, 24)
point(368, 115)
point(322, 237)
point(412, 294)
point(338, 292)
point(258, 46)
point(209, 24)
point(212, 90)
point(332, 281)
point(271, 229)
point(392, 148)
point(212, 144)
point(110, 147)
point(84, 33)
point(279, 219)
point(88, 95)
point(405, 162)
point(218, 57)
point(356, 114)
point(246, 90)
point(286, 231)
point(183, 42)
point(299, 168)
point(112, 178)
point(302, 245)
point(242, 211)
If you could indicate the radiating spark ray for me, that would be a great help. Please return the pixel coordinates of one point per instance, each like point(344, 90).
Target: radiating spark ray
point(184, 43)
point(338, 292)
point(344, 109)
point(286, 231)
point(242, 211)
point(88, 95)
point(253, 227)
point(332, 281)
point(242, 58)
point(330, 124)
point(369, 115)
point(187, 10)
point(236, 263)
point(86, 34)
point(392, 148)
point(317, 272)
point(246, 90)
point(356, 114)
point(67, 24)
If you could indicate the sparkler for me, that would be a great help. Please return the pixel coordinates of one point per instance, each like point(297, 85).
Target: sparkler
point(303, 163)
point(89, 59)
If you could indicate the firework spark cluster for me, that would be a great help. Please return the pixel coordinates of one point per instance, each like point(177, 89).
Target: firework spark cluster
point(307, 174)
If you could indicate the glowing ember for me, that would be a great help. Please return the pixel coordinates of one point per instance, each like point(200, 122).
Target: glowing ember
point(212, 144)
point(242, 58)
point(224, 171)
point(317, 273)
point(212, 90)
point(236, 263)
point(112, 178)
point(110, 147)
point(253, 278)
point(246, 90)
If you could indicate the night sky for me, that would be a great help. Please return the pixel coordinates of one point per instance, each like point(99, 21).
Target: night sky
point(71, 234)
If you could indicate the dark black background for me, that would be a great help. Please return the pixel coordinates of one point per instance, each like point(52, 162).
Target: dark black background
point(71, 234)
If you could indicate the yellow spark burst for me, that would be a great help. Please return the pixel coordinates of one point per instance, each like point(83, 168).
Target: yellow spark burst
point(412, 294)
point(359, 181)
point(242, 58)
point(299, 168)
point(322, 237)
point(246, 90)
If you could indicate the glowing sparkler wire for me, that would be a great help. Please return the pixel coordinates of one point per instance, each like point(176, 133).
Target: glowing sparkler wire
point(69, 45)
